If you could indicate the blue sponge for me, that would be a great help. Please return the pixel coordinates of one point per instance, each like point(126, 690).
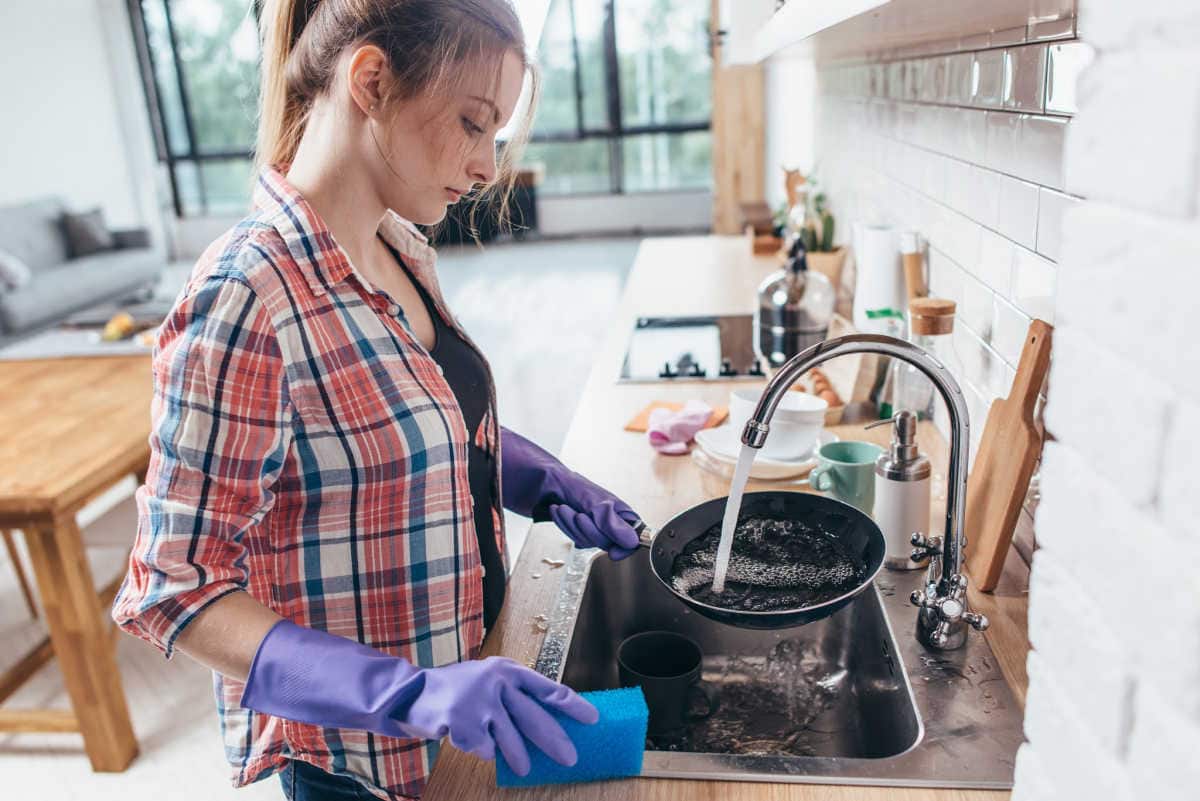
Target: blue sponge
point(611, 748)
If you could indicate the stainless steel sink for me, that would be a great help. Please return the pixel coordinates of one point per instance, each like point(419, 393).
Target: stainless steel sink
point(852, 699)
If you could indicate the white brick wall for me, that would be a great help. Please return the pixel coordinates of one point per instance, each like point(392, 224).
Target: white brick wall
point(1114, 678)
point(1145, 105)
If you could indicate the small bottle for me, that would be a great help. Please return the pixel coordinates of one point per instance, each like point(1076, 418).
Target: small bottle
point(902, 493)
point(891, 323)
point(931, 328)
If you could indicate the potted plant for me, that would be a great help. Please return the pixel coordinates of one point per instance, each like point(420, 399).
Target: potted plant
point(816, 227)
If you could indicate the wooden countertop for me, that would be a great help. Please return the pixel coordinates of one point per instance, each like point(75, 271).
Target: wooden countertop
point(683, 276)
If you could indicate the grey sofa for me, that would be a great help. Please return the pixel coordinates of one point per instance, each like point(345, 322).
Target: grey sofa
point(61, 285)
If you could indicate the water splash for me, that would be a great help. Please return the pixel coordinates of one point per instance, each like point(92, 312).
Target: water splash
point(765, 705)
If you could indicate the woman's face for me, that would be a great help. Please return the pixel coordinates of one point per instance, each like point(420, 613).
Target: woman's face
point(438, 149)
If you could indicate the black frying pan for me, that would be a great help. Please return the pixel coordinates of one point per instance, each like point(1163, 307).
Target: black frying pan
point(856, 531)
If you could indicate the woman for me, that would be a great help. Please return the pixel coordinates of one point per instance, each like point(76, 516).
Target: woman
point(321, 522)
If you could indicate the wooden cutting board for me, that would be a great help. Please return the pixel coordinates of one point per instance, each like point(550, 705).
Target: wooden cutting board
point(1008, 453)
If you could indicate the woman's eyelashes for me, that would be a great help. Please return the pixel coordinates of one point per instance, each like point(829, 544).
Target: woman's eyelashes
point(470, 127)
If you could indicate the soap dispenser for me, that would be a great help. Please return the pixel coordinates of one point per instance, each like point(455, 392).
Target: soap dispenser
point(901, 492)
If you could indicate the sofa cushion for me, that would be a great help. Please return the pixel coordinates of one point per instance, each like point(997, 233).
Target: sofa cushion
point(86, 233)
point(124, 268)
point(54, 294)
point(33, 233)
point(14, 273)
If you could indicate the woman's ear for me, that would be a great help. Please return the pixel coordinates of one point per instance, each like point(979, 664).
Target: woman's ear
point(365, 76)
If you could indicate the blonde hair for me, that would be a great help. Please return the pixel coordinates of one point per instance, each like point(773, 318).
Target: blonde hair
point(427, 44)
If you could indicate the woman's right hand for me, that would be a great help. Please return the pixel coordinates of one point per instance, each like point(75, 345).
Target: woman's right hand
point(314, 677)
point(496, 703)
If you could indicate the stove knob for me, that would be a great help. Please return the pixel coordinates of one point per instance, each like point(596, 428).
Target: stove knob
point(756, 370)
point(666, 371)
point(727, 368)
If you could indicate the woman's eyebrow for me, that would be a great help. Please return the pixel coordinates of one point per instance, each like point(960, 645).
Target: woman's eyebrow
point(495, 108)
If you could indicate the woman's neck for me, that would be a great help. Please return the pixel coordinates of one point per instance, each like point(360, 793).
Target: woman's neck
point(340, 191)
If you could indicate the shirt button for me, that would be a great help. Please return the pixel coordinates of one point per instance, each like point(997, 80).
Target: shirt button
point(393, 309)
point(483, 571)
point(440, 370)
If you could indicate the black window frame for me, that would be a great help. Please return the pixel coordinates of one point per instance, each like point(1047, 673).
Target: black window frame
point(616, 131)
point(153, 94)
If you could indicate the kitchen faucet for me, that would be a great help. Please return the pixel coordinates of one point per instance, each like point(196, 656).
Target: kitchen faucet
point(942, 617)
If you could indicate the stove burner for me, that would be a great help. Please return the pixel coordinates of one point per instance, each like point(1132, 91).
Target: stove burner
point(692, 349)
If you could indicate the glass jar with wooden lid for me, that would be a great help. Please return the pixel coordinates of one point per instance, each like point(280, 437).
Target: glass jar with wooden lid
point(931, 327)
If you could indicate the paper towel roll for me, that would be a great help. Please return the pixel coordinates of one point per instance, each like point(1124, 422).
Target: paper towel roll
point(879, 282)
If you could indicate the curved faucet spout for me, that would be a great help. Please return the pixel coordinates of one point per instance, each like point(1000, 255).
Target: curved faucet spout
point(938, 627)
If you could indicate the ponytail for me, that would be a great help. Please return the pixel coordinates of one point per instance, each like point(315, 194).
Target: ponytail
point(281, 109)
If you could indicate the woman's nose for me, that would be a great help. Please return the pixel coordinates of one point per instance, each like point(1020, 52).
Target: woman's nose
point(482, 168)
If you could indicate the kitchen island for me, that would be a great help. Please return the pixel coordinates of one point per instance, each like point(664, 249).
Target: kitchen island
point(684, 276)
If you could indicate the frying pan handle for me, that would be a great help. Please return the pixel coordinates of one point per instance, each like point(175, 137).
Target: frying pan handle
point(645, 534)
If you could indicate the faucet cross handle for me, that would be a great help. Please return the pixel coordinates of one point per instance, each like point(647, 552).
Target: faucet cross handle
point(925, 546)
point(949, 610)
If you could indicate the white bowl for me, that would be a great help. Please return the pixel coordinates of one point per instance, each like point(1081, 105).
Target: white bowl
point(793, 428)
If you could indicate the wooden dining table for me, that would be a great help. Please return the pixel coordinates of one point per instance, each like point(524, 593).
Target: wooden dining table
point(69, 430)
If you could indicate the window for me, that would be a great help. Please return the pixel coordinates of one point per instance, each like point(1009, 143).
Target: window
point(199, 63)
point(625, 103)
point(626, 96)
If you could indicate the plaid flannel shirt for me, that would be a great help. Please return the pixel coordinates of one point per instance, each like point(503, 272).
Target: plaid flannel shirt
point(306, 449)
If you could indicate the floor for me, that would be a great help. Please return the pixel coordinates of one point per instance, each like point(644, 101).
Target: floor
point(537, 309)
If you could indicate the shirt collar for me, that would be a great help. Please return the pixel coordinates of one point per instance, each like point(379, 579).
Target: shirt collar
point(311, 244)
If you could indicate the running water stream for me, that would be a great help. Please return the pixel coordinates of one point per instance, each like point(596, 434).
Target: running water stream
point(729, 522)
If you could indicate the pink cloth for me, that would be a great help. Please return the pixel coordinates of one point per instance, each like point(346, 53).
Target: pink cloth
point(670, 432)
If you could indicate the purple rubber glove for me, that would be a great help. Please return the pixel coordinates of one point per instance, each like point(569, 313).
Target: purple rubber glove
point(539, 486)
point(314, 677)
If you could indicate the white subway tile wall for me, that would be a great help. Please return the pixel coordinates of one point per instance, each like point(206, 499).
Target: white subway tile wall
point(956, 143)
point(1051, 206)
point(1033, 284)
point(1113, 707)
point(1018, 216)
point(1025, 78)
point(1066, 62)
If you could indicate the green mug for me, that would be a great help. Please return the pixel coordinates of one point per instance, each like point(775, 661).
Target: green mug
point(846, 470)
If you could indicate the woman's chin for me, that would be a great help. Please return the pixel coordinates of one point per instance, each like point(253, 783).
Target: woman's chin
point(425, 214)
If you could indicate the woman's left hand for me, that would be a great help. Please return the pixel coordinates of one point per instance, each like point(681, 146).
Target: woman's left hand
point(605, 525)
point(539, 486)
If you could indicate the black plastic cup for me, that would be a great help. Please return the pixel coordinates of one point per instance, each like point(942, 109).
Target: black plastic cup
point(666, 666)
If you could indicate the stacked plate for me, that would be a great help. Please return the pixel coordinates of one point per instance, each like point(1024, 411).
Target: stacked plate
point(718, 448)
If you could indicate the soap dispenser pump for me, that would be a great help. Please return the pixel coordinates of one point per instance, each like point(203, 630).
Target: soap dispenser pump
point(902, 492)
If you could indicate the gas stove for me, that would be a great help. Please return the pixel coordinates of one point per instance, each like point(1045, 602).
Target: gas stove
point(716, 348)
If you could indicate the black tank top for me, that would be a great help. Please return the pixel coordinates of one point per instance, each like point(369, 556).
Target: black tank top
point(467, 375)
